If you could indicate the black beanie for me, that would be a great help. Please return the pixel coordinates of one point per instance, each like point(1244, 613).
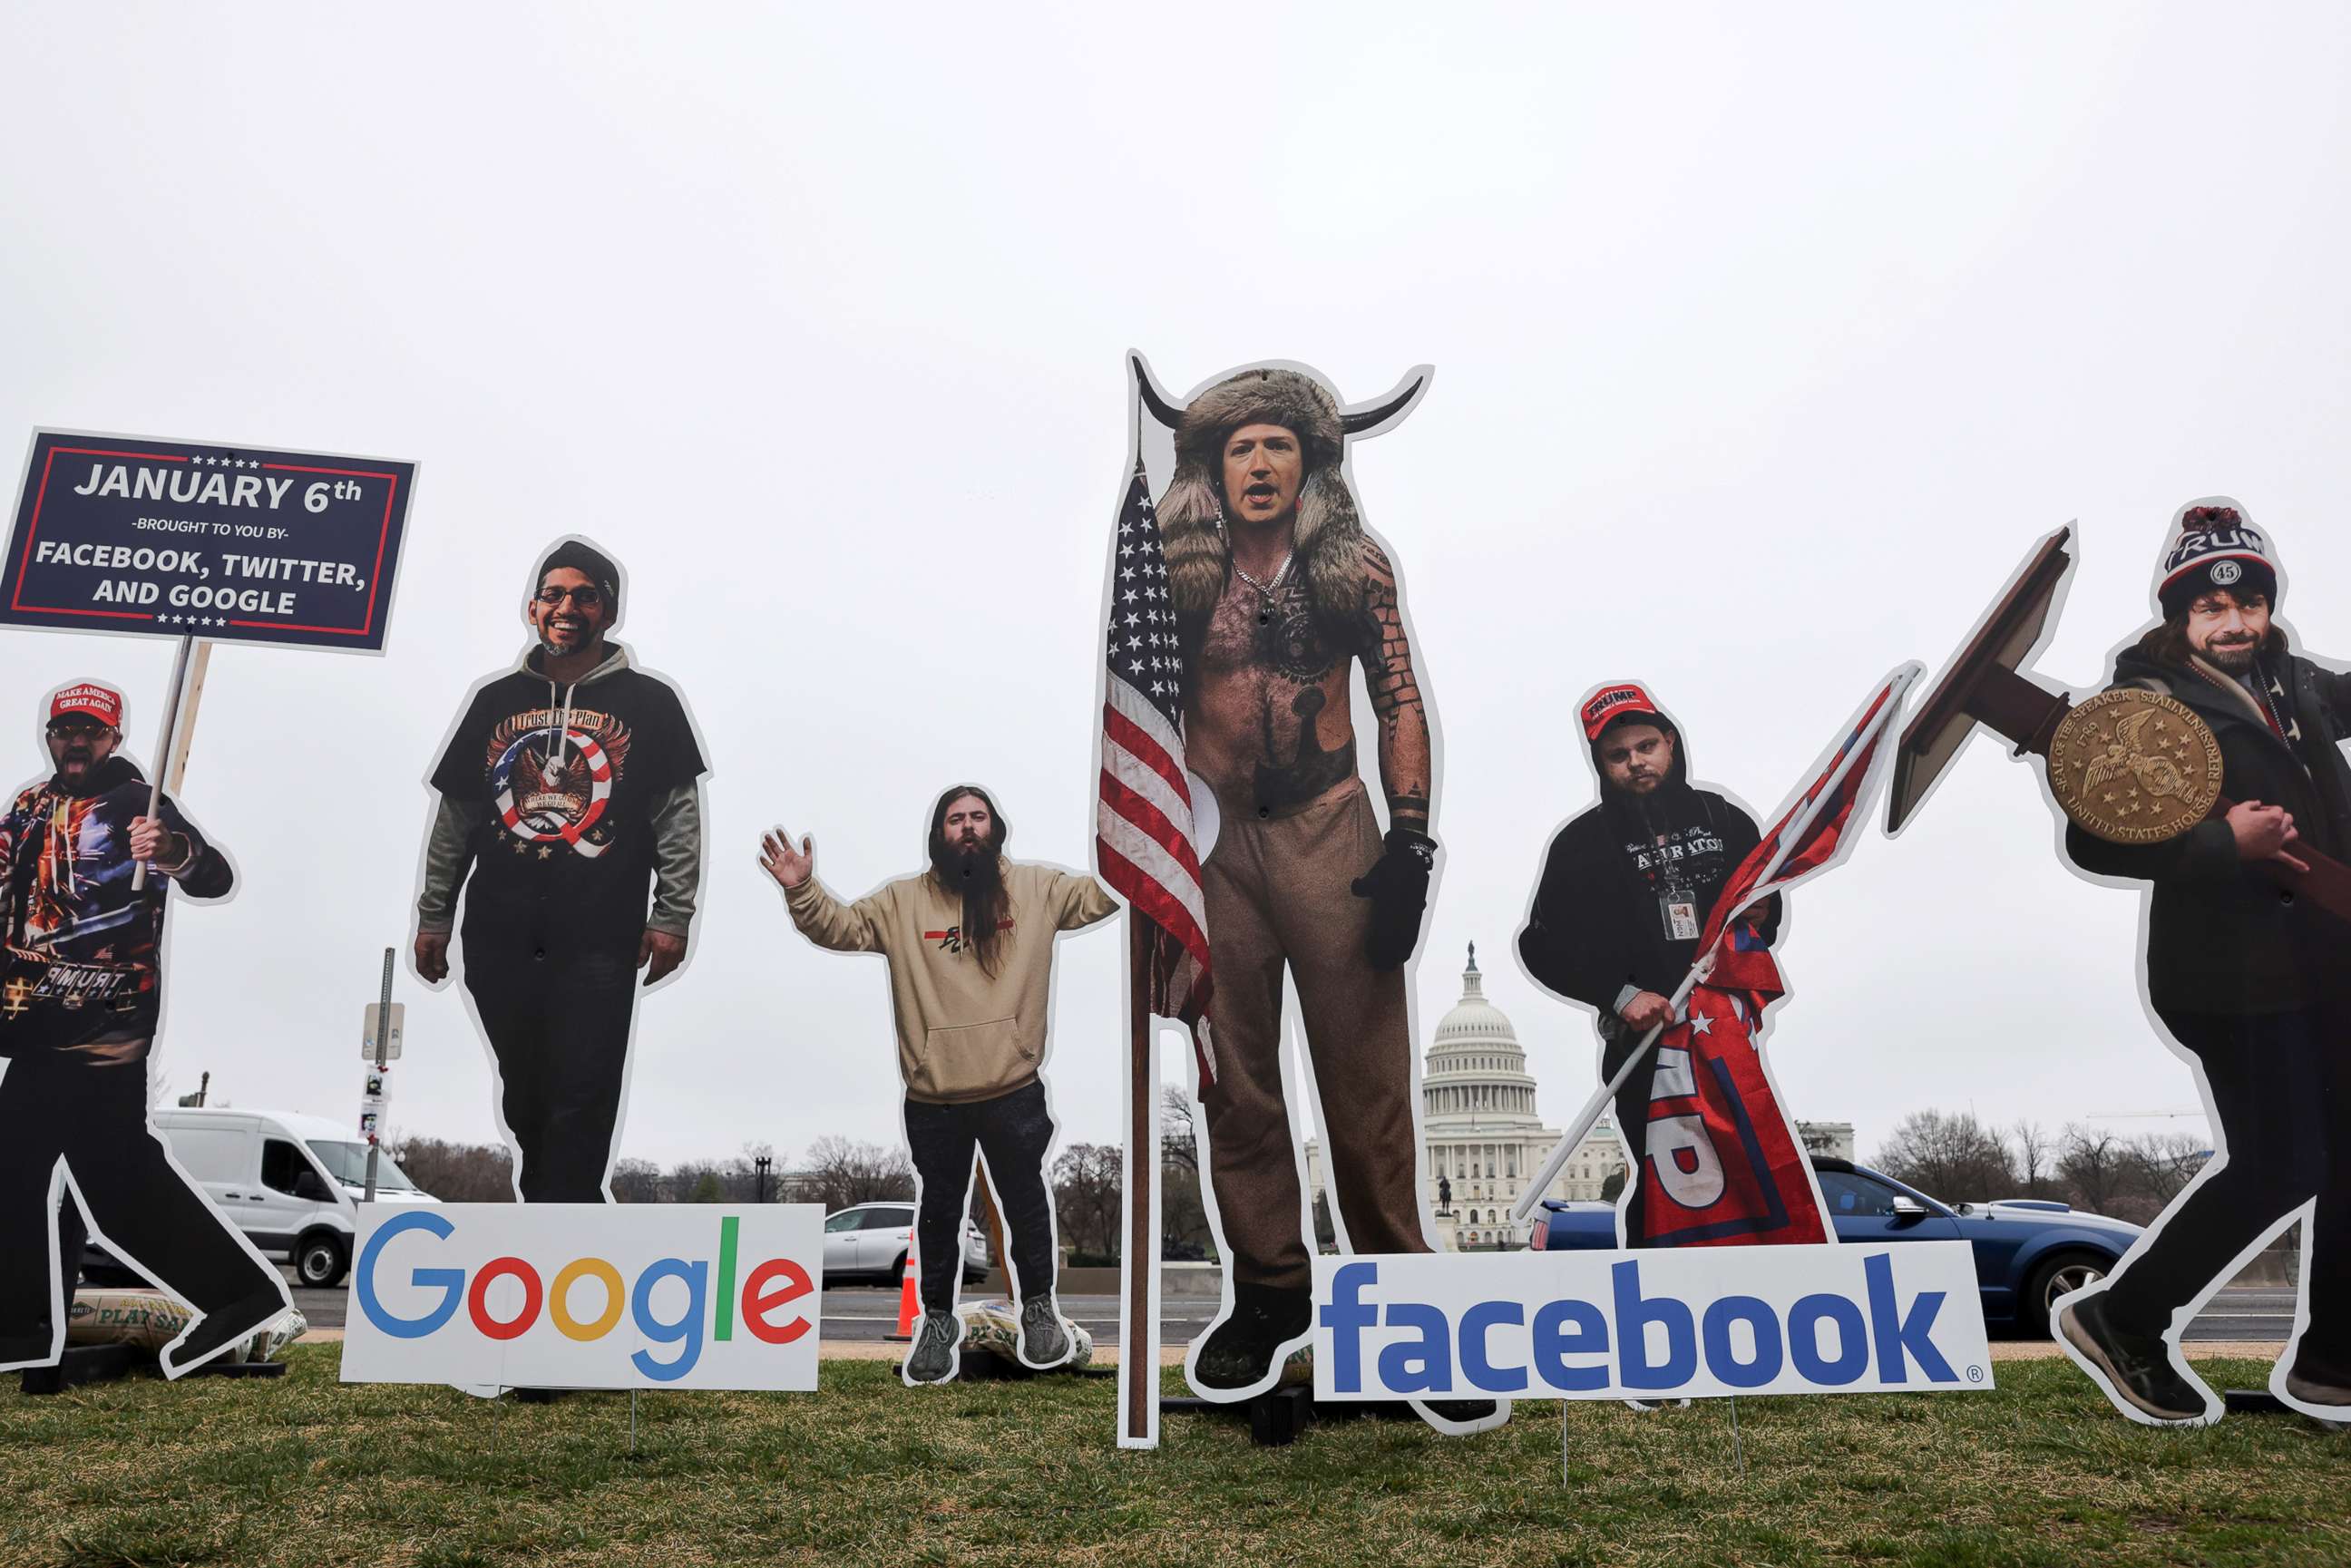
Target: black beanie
point(590, 562)
point(2214, 548)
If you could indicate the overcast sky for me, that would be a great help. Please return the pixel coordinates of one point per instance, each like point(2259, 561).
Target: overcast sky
point(1767, 342)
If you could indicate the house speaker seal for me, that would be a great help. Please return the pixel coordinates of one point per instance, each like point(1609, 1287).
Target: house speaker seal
point(2135, 766)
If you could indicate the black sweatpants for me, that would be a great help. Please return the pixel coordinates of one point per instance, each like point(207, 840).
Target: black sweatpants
point(95, 1118)
point(2282, 1091)
point(1012, 1133)
point(558, 1016)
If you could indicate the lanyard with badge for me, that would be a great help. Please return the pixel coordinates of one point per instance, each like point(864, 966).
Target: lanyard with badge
point(1676, 900)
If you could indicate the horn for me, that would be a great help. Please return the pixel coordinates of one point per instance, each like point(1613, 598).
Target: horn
point(1164, 411)
point(1370, 419)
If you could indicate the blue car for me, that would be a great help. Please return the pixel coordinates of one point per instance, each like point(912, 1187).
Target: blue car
point(2029, 1251)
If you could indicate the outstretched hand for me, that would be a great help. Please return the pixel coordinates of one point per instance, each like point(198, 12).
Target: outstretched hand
point(789, 866)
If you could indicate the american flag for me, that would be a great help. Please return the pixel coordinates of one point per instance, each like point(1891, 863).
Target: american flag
point(1147, 845)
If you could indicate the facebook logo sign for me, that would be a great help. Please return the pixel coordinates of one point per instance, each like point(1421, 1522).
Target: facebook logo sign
point(1672, 1323)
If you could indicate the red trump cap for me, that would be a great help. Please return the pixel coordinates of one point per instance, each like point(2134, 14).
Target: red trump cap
point(103, 704)
point(1611, 702)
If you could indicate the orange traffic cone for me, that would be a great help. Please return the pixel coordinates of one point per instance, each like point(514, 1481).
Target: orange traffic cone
point(909, 1306)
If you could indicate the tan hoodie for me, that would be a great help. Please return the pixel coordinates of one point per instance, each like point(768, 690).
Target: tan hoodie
point(961, 1036)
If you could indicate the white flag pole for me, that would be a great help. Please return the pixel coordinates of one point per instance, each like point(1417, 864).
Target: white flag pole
point(1896, 686)
point(163, 747)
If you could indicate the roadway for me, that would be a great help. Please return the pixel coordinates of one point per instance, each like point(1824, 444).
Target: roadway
point(865, 1313)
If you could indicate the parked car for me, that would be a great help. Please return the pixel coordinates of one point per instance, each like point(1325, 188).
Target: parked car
point(873, 1240)
point(292, 1182)
point(2029, 1251)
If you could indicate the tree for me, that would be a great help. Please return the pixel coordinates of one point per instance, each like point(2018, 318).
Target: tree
point(454, 1173)
point(1178, 1144)
point(1613, 1187)
point(1087, 1186)
point(2036, 1153)
point(845, 1172)
point(2094, 1166)
point(2161, 1164)
point(1948, 1155)
point(638, 1181)
point(1184, 1231)
point(709, 1189)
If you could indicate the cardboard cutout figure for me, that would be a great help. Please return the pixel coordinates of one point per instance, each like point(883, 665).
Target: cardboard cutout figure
point(82, 998)
point(2209, 773)
point(1262, 591)
point(1626, 890)
point(2249, 981)
point(569, 810)
point(969, 943)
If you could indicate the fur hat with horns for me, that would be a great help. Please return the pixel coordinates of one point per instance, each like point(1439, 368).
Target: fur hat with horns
point(1329, 539)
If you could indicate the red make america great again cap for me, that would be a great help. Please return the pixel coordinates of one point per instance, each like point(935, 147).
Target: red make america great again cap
point(103, 704)
point(1612, 702)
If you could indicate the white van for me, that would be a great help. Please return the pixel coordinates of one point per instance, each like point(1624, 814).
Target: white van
point(292, 1182)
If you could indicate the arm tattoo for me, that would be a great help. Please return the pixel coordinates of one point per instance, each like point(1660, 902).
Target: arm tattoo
point(1387, 659)
point(1404, 762)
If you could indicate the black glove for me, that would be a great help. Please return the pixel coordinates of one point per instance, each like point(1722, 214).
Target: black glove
point(1398, 889)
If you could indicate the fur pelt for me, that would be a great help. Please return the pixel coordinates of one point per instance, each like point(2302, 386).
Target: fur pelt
point(1330, 536)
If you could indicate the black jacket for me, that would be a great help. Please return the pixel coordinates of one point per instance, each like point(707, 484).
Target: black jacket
point(2222, 937)
point(82, 962)
point(1594, 926)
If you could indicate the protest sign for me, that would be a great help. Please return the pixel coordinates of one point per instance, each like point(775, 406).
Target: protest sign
point(181, 538)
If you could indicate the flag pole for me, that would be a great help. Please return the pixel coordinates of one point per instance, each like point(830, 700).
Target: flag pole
point(1138, 1360)
point(164, 745)
point(1790, 836)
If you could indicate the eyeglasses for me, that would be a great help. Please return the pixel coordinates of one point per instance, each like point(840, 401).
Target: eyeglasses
point(587, 598)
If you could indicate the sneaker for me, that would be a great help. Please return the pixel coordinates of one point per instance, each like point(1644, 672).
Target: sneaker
point(1243, 1352)
point(2307, 1383)
point(1462, 1418)
point(1044, 1342)
point(219, 1329)
point(2136, 1369)
point(1647, 1406)
point(934, 1357)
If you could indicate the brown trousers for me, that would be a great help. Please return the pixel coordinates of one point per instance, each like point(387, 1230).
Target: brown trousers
point(1277, 894)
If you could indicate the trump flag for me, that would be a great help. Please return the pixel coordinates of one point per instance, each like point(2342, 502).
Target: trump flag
point(1724, 1165)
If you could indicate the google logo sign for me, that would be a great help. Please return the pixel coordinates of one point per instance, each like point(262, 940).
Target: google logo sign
point(583, 1300)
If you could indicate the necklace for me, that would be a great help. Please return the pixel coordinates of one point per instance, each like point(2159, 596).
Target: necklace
point(1269, 588)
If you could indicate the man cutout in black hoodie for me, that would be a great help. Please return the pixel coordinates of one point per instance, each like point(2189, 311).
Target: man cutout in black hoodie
point(1626, 889)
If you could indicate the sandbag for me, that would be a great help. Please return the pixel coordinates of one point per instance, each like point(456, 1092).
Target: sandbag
point(148, 1319)
point(995, 1327)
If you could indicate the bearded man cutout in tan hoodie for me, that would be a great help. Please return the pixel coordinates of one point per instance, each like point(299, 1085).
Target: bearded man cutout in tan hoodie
point(970, 947)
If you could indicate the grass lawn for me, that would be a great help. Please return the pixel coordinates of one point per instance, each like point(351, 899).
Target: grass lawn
point(305, 1470)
